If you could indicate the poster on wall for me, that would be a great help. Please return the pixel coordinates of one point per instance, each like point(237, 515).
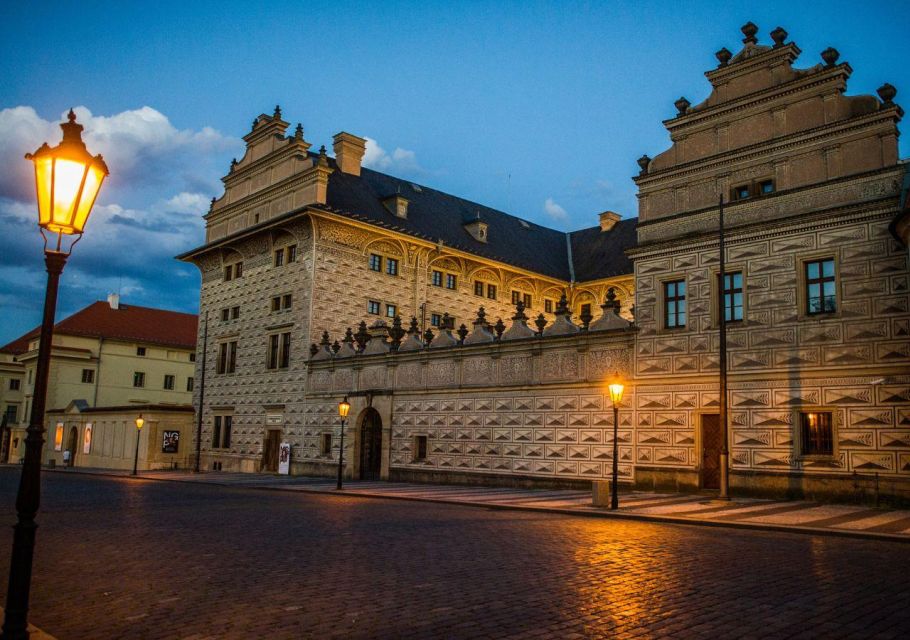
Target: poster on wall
point(284, 458)
point(170, 442)
point(87, 438)
point(58, 437)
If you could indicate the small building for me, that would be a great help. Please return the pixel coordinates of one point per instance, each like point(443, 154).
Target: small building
point(106, 355)
point(105, 437)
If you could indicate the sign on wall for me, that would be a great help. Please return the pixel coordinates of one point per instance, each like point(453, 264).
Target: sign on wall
point(58, 437)
point(170, 442)
point(284, 458)
point(87, 438)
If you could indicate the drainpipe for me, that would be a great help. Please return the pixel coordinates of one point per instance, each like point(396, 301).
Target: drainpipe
point(98, 371)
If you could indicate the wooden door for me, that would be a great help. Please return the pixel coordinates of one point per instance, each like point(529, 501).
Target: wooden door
point(371, 446)
point(270, 452)
point(711, 443)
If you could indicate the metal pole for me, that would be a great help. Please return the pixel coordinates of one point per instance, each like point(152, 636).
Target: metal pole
point(724, 493)
point(205, 350)
point(340, 454)
point(15, 624)
point(136, 457)
point(614, 498)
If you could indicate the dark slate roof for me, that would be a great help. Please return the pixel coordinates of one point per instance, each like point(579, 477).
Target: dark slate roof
point(601, 254)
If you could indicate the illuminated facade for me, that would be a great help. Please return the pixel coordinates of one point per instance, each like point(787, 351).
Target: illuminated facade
point(816, 296)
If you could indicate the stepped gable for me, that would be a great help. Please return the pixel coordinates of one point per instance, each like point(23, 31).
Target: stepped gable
point(598, 254)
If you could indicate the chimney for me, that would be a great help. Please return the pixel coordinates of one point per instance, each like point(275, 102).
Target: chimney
point(608, 220)
point(113, 299)
point(349, 150)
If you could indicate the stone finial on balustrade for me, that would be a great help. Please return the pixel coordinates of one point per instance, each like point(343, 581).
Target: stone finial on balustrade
point(413, 342)
point(445, 338)
point(585, 316)
point(347, 345)
point(610, 319)
point(481, 332)
point(562, 324)
point(378, 343)
point(519, 328)
point(462, 333)
point(499, 328)
point(428, 336)
point(336, 347)
point(540, 323)
point(362, 336)
point(324, 351)
point(313, 349)
point(396, 333)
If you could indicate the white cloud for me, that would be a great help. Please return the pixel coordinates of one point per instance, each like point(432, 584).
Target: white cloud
point(554, 211)
point(400, 160)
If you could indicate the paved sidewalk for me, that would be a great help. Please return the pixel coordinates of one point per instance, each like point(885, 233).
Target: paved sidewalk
point(776, 515)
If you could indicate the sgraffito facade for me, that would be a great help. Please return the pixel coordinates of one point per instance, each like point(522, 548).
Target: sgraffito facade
point(816, 298)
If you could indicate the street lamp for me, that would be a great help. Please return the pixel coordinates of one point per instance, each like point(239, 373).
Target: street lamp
point(344, 407)
point(67, 181)
point(139, 422)
point(616, 389)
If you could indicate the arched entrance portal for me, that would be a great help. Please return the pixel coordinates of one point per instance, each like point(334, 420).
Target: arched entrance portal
point(370, 445)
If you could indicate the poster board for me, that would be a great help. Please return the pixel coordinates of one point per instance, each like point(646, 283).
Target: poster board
point(170, 441)
point(58, 437)
point(284, 458)
point(87, 438)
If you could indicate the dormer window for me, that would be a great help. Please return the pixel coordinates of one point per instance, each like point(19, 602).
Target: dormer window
point(477, 228)
point(397, 205)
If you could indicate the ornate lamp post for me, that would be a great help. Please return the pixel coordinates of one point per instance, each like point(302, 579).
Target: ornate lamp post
point(344, 407)
point(616, 389)
point(67, 180)
point(139, 422)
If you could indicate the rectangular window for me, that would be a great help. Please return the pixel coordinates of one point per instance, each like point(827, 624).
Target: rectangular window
point(516, 296)
point(138, 379)
point(231, 357)
point(272, 360)
point(821, 293)
point(279, 257)
point(189, 383)
point(491, 291)
point(451, 281)
point(226, 433)
point(276, 303)
point(225, 315)
point(222, 358)
point(742, 192)
point(227, 357)
point(12, 414)
point(765, 187)
point(325, 445)
point(420, 448)
point(437, 279)
point(140, 351)
point(169, 382)
point(373, 307)
point(435, 319)
point(733, 296)
point(286, 301)
point(88, 376)
point(548, 306)
point(375, 262)
point(391, 311)
point(285, 360)
point(229, 273)
point(292, 253)
point(192, 357)
point(235, 313)
point(817, 431)
point(478, 288)
point(238, 269)
point(675, 304)
point(527, 300)
point(391, 266)
point(216, 432)
point(15, 384)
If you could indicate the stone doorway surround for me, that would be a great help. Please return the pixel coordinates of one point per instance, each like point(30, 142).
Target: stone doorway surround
point(361, 404)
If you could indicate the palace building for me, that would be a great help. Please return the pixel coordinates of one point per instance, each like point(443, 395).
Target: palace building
point(474, 345)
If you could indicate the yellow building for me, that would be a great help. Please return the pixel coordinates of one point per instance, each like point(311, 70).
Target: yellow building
point(107, 355)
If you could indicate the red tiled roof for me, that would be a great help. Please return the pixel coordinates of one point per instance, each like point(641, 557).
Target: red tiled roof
point(129, 322)
point(19, 345)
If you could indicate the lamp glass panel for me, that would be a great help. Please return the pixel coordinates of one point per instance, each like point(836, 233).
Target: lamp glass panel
point(139, 423)
point(67, 181)
point(343, 409)
point(93, 179)
point(616, 390)
point(44, 167)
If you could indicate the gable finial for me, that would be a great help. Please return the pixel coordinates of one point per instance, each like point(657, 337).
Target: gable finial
point(749, 30)
point(779, 35)
point(277, 114)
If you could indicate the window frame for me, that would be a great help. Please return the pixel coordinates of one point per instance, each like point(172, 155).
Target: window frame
point(435, 319)
point(391, 266)
point(138, 379)
point(436, 278)
point(325, 444)
point(222, 427)
point(491, 291)
point(665, 304)
point(169, 378)
point(479, 288)
point(15, 384)
point(374, 304)
point(88, 376)
point(375, 262)
point(421, 440)
point(821, 280)
point(800, 439)
point(391, 310)
point(278, 257)
point(141, 352)
point(717, 295)
point(190, 384)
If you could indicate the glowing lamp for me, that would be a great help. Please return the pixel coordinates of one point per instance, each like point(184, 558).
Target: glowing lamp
point(140, 421)
point(616, 389)
point(67, 178)
point(344, 407)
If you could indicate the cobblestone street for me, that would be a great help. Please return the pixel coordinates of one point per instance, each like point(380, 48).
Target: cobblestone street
point(119, 558)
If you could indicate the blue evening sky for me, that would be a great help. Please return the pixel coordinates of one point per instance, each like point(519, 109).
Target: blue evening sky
point(539, 109)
